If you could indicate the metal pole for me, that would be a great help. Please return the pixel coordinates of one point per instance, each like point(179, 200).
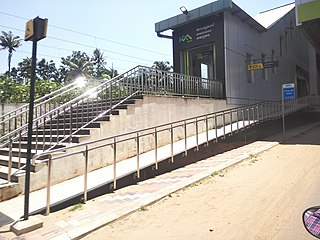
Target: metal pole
point(48, 185)
point(85, 192)
point(30, 121)
point(283, 124)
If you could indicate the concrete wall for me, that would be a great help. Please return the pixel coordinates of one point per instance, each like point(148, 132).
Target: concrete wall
point(151, 111)
point(241, 39)
point(8, 107)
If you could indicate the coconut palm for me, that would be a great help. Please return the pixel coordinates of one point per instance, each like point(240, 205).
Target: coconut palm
point(162, 65)
point(10, 42)
point(99, 63)
point(78, 64)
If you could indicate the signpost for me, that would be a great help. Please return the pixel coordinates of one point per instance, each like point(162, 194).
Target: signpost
point(36, 30)
point(288, 93)
point(258, 66)
point(255, 66)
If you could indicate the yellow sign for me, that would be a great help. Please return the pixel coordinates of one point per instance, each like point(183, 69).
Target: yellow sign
point(255, 66)
point(29, 30)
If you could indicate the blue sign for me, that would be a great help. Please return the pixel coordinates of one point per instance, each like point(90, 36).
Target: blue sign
point(288, 91)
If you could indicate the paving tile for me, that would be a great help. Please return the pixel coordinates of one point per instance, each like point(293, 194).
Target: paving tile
point(111, 206)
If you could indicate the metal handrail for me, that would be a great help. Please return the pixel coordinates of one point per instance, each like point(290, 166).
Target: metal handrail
point(103, 98)
point(248, 115)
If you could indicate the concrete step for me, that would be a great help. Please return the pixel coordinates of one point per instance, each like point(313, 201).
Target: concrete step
point(60, 131)
point(15, 173)
point(4, 161)
point(16, 152)
point(67, 119)
point(56, 138)
point(73, 125)
point(24, 144)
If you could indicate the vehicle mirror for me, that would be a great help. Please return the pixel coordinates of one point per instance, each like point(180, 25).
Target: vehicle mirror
point(311, 221)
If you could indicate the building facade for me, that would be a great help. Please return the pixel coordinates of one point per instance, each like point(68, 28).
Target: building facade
point(253, 58)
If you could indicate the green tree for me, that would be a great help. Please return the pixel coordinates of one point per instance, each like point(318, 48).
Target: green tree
point(162, 65)
point(99, 64)
point(9, 42)
point(112, 72)
point(78, 64)
point(22, 73)
point(47, 71)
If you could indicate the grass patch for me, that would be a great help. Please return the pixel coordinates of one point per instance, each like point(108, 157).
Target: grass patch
point(78, 206)
point(253, 158)
point(143, 208)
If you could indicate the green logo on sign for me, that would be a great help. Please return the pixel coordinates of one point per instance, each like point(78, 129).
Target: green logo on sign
point(185, 38)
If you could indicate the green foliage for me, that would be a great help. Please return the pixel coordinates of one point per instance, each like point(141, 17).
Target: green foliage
point(78, 64)
point(13, 92)
point(16, 86)
point(162, 65)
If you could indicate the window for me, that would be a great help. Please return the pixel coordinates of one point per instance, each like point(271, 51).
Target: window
point(250, 73)
point(286, 40)
point(264, 70)
point(281, 46)
point(291, 30)
point(273, 57)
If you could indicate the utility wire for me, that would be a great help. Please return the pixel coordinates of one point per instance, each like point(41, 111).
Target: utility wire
point(85, 45)
point(89, 35)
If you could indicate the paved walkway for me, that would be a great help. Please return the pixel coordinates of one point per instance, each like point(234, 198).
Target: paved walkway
point(14, 208)
point(69, 224)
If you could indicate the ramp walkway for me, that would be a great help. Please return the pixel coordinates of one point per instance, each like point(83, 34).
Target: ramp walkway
point(109, 207)
point(74, 187)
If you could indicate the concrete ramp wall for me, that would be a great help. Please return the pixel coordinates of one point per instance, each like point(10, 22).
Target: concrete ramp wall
point(147, 112)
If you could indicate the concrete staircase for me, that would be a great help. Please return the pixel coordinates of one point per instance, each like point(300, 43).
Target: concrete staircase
point(46, 137)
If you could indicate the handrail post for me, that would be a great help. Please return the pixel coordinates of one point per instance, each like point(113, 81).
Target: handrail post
point(197, 135)
point(86, 157)
point(224, 124)
point(171, 137)
point(10, 161)
point(48, 185)
point(156, 147)
point(114, 163)
point(243, 118)
point(138, 155)
point(185, 139)
point(19, 156)
point(237, 115)
point(207, 131)
point(231, 122)
point(216, 127)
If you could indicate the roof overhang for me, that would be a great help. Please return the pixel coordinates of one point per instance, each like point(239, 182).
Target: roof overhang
point(308, 18)
point(205, 11)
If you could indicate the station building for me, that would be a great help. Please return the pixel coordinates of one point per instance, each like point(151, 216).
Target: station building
point(253, 57)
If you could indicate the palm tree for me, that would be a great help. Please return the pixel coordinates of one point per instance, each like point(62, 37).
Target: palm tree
point(10, 42)
point(99, 62)
point(78, 64)
point(162, 65)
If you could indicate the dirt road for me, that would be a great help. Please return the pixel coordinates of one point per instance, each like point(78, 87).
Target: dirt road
point(260, 198)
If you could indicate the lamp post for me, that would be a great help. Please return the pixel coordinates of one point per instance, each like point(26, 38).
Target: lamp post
point(36, 30)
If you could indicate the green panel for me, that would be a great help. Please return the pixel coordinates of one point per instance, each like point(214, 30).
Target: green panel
point(308, 11)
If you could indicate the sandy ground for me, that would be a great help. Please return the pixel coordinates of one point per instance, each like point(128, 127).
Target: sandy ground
point(260, 198)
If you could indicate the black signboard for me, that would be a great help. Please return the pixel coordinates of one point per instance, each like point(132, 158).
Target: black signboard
point(198, 33)
point(271, 64)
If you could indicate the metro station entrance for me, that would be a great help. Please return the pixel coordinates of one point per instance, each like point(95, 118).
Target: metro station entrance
point(199, 61)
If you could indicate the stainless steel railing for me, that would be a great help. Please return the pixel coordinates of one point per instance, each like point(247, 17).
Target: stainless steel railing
point(87, 106)
point(212, 126)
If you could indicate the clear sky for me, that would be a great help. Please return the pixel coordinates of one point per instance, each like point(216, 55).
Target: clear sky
point(122, 29)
